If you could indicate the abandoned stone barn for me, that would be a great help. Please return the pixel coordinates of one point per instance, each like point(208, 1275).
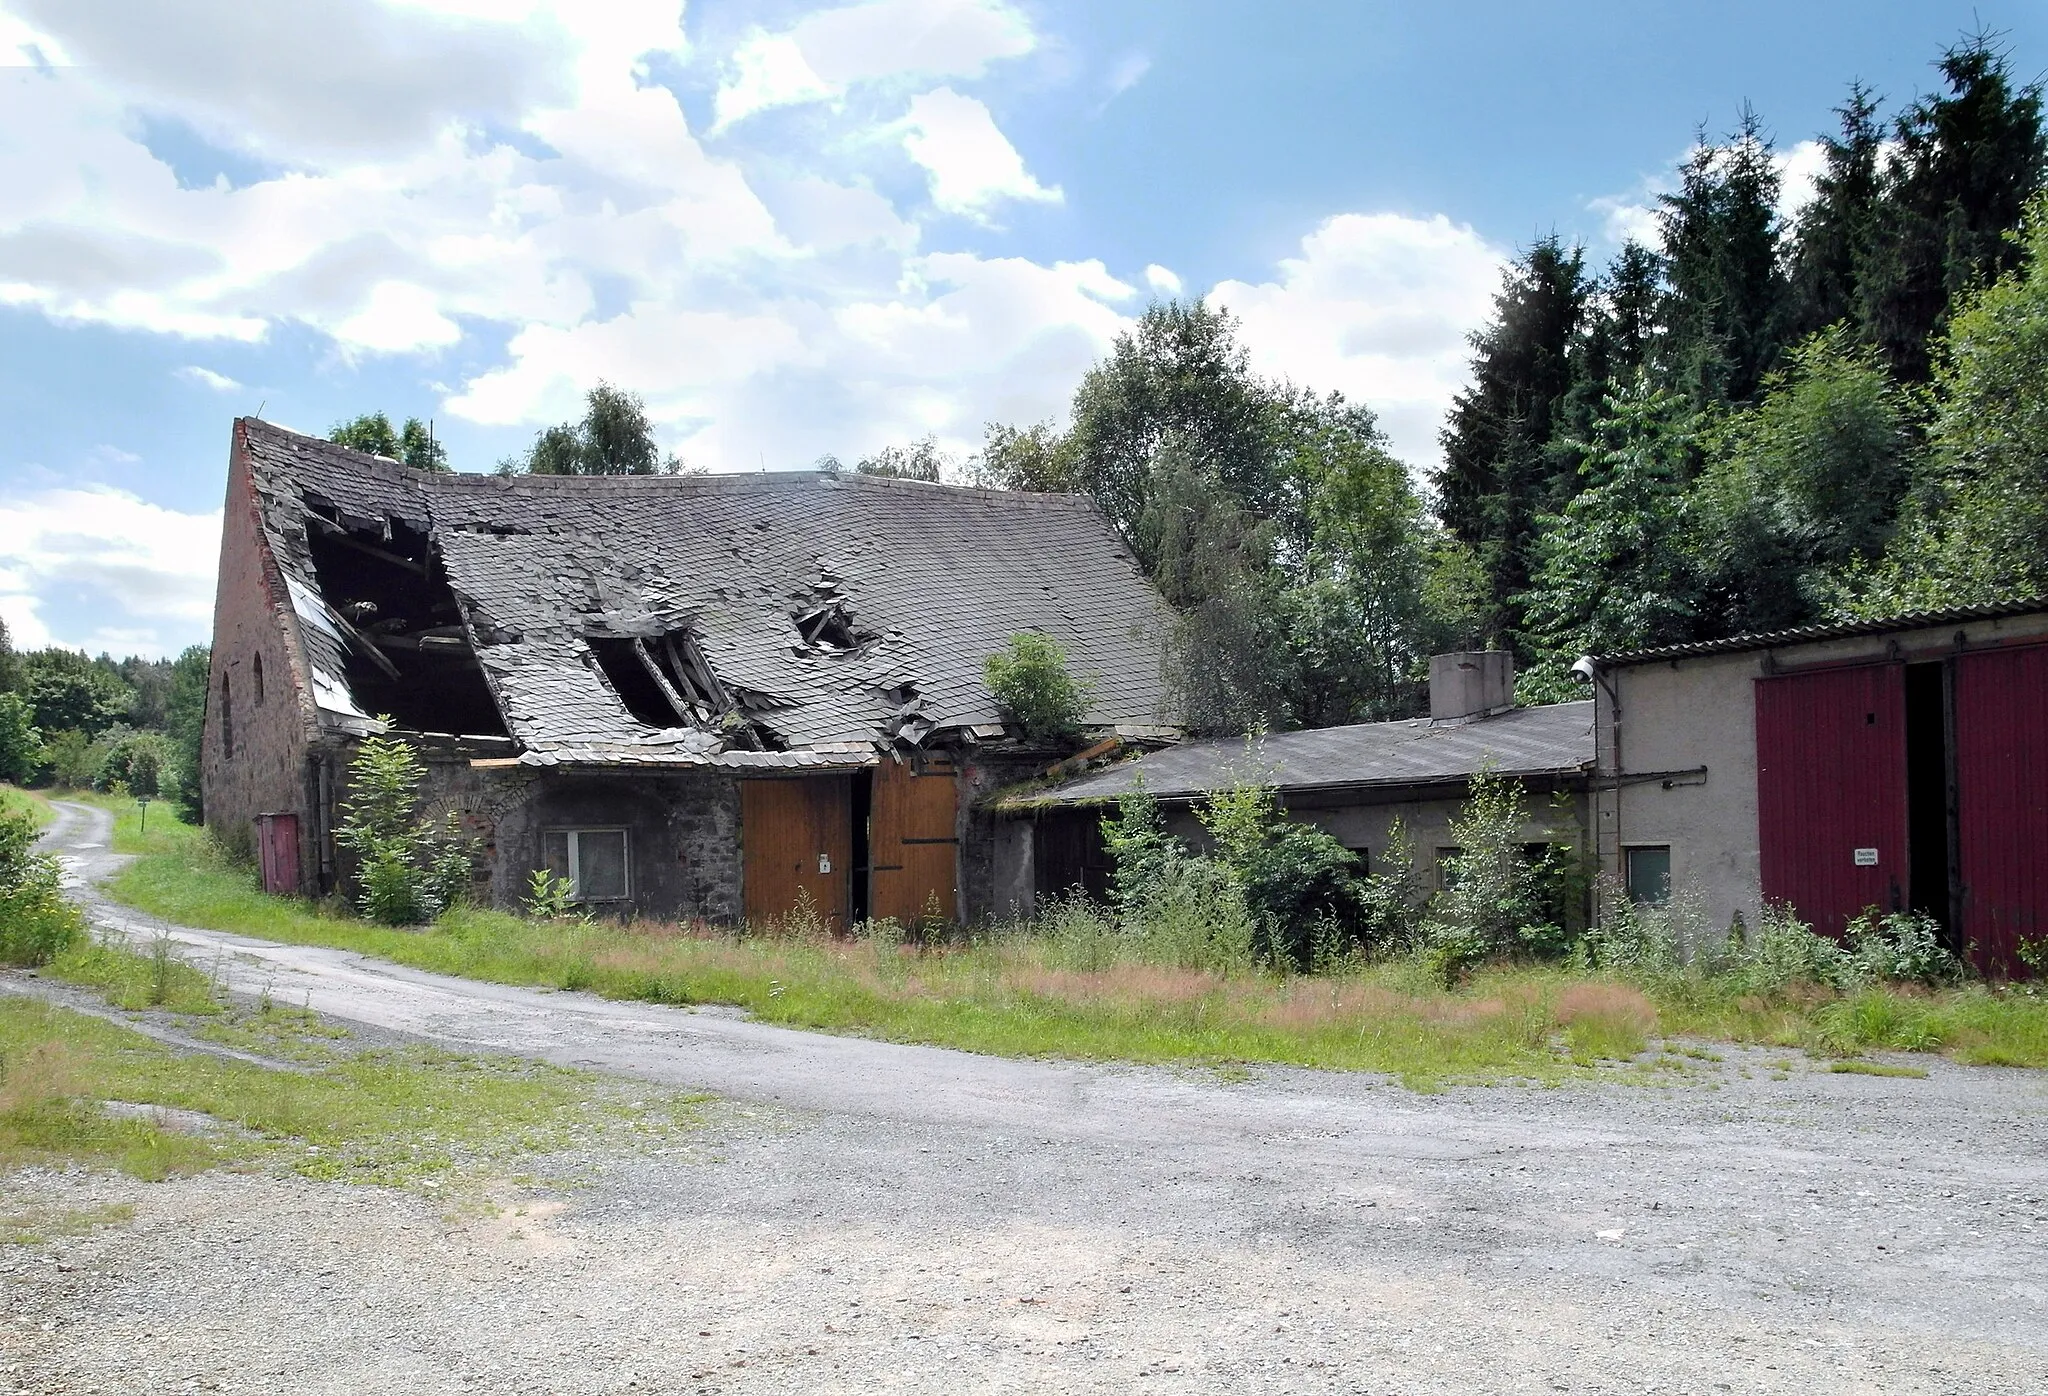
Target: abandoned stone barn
point(696, 697)
point(1897, 763)
point(1355, 782)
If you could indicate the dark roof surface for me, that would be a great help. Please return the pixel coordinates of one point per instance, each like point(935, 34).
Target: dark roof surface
point(1554, 739)
point(942, 576)
point(1775, 639)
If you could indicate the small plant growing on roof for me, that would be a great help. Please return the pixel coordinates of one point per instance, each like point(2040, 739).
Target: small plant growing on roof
point(1030, 682)
point(410, 871)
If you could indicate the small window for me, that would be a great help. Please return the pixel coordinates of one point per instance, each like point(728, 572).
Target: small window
point(1649, 874)
point(594, 860)
point(227, 718)
point(256, 673)
point(1447, 867)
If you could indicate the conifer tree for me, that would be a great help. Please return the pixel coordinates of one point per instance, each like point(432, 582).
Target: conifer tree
point(1964, 164)
point(1838, 229)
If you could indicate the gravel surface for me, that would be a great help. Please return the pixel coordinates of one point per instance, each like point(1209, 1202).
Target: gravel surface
point(863, 1215)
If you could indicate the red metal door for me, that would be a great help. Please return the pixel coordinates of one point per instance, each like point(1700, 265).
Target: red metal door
point(1831, 791)
point(277, 842)
point(2001, 753)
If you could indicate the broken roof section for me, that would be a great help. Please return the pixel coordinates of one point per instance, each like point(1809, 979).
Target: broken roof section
point(776, 620)
point(1554, 740)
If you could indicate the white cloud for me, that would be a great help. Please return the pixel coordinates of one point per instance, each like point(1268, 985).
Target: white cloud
point(207, 378)
point(1377, 306)
point(1127, 73)
point(971, 163)
point(1162, 280)
point(826, 53)
point(144, 572)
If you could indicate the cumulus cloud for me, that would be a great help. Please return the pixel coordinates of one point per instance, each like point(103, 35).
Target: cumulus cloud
point(824, 54)
point(971, 163)
point(207, 378)
point(125, 574)
point(1162, 280)
point(1378, 307)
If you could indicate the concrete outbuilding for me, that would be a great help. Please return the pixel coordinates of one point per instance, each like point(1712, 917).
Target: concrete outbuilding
point(1355, 782)
point(1897, 764)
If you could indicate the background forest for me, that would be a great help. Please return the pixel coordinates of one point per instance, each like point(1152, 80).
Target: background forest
point(1756, 423)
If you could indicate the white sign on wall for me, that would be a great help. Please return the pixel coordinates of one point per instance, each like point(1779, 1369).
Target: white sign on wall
point(1866, 857)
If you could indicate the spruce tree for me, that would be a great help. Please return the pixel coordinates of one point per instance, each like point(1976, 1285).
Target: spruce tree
point(1837, 230)
point(1498, 472)
point(1963, 165)
point(1724, 311)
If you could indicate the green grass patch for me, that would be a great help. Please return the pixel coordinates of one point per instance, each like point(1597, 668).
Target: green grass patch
point(15, 800)
point(1009, 996)
point(408, 1116)
point(32, 1226)
point(159, 977)
point(136, 830)
point(1856, 1068)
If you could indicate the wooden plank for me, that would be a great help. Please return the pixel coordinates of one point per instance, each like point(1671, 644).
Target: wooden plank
point(786, 828)
point(913, 843)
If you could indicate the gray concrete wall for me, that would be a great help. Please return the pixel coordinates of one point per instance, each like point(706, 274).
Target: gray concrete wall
point(1656, 722)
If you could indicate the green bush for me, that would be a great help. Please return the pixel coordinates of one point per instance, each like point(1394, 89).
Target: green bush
point(1902, 947)
point(408, 872)
point(1301, 887)
point(36, 923)
point(135, 762)
point(1028, 678)
point(1499, 899)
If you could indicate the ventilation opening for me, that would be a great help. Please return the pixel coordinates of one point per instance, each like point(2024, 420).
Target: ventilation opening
point(227, 718)
point(1929, 796)
point(407, 650)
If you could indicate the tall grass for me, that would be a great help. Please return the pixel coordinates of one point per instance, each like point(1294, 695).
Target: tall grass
point(1078, 984)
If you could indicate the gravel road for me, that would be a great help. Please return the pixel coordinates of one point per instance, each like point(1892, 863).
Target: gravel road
point(862, 1215)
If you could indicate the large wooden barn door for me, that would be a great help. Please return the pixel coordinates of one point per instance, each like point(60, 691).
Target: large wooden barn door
point(2001, 755)
point(913, 841)
point(1831, 791)
point(797, 836)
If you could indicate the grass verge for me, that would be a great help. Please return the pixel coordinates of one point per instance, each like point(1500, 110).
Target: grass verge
point(1010, 997)
point(15, 800)
point(76, 1089)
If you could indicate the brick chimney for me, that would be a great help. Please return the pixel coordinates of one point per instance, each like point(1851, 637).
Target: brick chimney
point(1477, 683)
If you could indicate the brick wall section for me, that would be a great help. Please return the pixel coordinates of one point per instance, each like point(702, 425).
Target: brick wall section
point(268, 769)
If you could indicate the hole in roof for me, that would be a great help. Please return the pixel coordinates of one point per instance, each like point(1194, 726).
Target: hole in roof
point(831, 629)
point(405, 648)
point(663, 679)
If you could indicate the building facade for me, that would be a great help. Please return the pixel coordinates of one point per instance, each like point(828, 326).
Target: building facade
point(717, 698)
point(1898, 764)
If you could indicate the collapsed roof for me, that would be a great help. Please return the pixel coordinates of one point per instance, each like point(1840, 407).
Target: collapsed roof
point(1553, 740)
point(772, 620)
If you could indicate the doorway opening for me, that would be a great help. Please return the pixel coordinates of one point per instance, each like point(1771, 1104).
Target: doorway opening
point(863, 860)
point(1930, 802)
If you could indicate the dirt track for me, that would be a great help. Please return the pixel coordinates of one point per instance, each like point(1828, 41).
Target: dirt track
point(868, 1215)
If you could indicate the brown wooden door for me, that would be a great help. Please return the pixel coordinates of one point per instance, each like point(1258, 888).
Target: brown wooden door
point(913, 842)
point(797, 836)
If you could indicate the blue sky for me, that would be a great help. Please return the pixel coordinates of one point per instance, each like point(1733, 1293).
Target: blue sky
point(795, 228)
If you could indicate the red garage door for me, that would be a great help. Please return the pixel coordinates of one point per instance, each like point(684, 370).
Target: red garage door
point(2002, 801)
point(1831, 791)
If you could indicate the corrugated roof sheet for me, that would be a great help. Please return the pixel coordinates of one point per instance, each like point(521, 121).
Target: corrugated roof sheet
point(1806, 634)
point(1555, 739)
point(943, 576)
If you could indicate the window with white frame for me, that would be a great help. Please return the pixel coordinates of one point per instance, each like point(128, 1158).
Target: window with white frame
point(595, 861)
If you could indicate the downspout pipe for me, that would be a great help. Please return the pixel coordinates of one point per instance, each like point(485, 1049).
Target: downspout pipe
point(1588, 671)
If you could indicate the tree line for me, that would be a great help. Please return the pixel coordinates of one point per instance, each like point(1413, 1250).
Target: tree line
point(131, 725)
